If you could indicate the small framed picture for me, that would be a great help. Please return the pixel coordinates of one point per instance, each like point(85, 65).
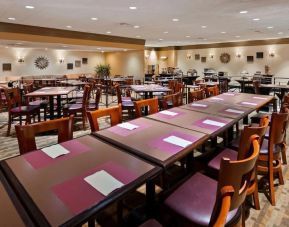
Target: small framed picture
point(197, 57)
point(84, 61)
point(203, 59)
point(77, 64)
point(250, 58)
point(6, 67)
point(69, 66)
point(259, 55)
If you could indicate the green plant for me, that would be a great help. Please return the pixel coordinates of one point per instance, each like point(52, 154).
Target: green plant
point(102, 70)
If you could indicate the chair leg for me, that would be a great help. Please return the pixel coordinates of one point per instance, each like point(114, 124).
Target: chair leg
point(280, 176)
point(271, 184)
point(9, 125)
point(283, 153)
point(256, 195)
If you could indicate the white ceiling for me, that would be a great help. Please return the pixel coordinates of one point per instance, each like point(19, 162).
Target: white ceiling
point(155, 17)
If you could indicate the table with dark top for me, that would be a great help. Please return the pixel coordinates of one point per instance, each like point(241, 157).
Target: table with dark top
point(244, 83)
point(54, 190)
point(77, 83)
point(12, 213)
point(148, 90)
point(147, 140)
point(51, 92)
point(282, 88)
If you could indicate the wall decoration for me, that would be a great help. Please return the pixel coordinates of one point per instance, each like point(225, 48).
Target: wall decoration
point(69, 66)
point(6, 67)
point(77, 64)
point(203, 59)
point(84, 61)
point(197, 57)
point(41, 62)
point(225, 58)
point(259, 55)
point(189, 56)
point(250, 58)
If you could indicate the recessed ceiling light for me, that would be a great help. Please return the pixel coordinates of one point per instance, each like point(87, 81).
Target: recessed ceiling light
point(136, 26)
point(11, 18)
point(102, 51)
point(237, 36)
point(137, 36)
point(205, 39)
point(166, 32)
point(204, 26)
point(29, 7)
point(175, 20)
point(98, 48)
point(280, 33)
point(69, 26)
point(244, 11)
point(94, 18)
point(124, 49)
point(256, 19)
point(132, 7)
point(270, 27)
point(223, 32)
point(161, 39)
point(108, 32)
point(187, 36)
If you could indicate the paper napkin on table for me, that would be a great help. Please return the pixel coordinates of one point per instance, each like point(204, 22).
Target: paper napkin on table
point(249, 103)
point(234, 111)
point(177, 141)
point(103, 182)
point(170, 113)
point(128, 126)
point(215, 123)
point(55, 151)
point(199, 105)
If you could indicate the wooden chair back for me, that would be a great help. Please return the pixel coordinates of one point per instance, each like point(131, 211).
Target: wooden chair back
point(279, 124)
point(232, 188)
point(248, 131)
point(13, 97)
point(26, 133)
point(114, 113)
point(178, 99)
point(172, 84)
point(98, 92)
point(152, 104)
point(216, 90)
point(210, 91)
point(196, 95)
point(137, 82)
point(256, 85)
point(168, 99)
point(85, 97)
point(118, 93)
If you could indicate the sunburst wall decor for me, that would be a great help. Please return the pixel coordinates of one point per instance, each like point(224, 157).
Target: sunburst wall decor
point(41, 62)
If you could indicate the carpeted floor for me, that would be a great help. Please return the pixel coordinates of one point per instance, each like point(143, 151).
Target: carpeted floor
point(267, 216)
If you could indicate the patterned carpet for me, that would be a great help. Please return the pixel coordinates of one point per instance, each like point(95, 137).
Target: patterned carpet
point(267, 216)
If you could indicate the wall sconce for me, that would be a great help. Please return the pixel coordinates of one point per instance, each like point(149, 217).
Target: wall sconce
point(271, 55)
point(238, 55)
point(163, 57)
point(147, 56)
point(61, 60)
point(211, 56)
point(20, 60)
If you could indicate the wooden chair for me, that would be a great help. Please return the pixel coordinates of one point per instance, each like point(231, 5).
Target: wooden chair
point(269, 162)
point(81, 108)
point(152, 105)
point(3, 101)
point(94, 104)
point(114, 113)
point(16, 110)
point(178, 99)
point(196, 95)
point(244, 147)
point(209, 91)
point(126, 102)
point(203, 201)
point(26, 133)
point(172, 100)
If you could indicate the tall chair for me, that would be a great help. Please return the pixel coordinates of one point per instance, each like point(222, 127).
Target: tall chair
point(16, 110)
point(113, 112)
point(26, 133)
point(126, 102)
point(151, 104)
point(203, 201)
point(270, 154)
point(196, 95)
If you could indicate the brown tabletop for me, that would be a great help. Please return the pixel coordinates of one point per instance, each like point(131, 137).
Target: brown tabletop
point(73, 82)
point(253, 101)
point(193, 120)
point(52, 91)
point(236, 112)
point(54, 190)
point(12, 213)
point(279, 86)
point(149, 89)
point(147, 140)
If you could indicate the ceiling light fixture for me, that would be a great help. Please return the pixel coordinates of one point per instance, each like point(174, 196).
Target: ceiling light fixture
point(161, 39)
point(204, 26)
point(175, 20)
point(29, 7)
point(132, 7)
point(137, 36)
point(223, 32)
point(136, 26)
point(237, 36)
point(187, 36)
point(94, 18)
point(102, 51)
point(124, 49)
point(270, 27)
point(69, 26)
point(256, 19)
point(108, 32)
point(244, 12)
point(280, 33)
point(166, 32)
point(11, 18)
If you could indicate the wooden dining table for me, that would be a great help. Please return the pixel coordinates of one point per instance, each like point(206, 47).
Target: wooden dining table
point(149, 89)
point(55, 192)
point(51, 92)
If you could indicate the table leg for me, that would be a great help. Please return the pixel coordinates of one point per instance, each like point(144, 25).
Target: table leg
point(150, 197)
point(58, 106)
point(51, 108)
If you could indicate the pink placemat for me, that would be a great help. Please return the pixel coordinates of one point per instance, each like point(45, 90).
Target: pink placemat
point(199, 107)
point(231, 113)
point(230, 94)
point(125, 132)
point(161, 145)
point(38, 159)
point(246, 103)
point(165, 116)
point(78, 195)
point(200, 123)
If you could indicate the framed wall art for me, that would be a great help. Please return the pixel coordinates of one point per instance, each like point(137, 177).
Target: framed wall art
point(259, 55)
point(203, 59)
point(77, 64)
point(250, 58)
point(197, 57)
point(84, 61)
point(6, 67)
point(69, 66)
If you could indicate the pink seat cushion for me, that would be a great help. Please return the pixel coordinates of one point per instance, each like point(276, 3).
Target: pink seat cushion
point(195, 200)
point(24, 109)
point(226, 153)
point(76, 106)
point(151, 223)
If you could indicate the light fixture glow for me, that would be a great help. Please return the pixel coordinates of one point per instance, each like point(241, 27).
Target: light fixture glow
point(270, 27)
point(175, 20)
point(29, 7)
point(166, 32)
point(280, 33)
point(161, 39)
point(187, 36)
point(108, 32)
point(94, 18)
point(132, 7)
point(136, 26)
point(69, 26)
point(244, 12)
point(237, 36)
point(256, 19)
point(11, 18)
point(204, 26)
point(223, 32)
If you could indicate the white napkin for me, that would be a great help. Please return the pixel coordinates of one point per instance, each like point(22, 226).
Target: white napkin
point(215, 123)
point(215, 98)
point(262, 98)
point(234, 111)
point(177, 141)
point(103, 182)
point(199, 105)
point(170, 113)
point(55, 151)
point(249, 103)
point(229, 94)
point(128, 126)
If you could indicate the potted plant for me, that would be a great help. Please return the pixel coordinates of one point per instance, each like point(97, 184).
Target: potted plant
point(102, 70)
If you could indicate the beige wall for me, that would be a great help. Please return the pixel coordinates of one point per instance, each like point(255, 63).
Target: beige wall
point(11, 55)
point(128, 63)
point(279, 64)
